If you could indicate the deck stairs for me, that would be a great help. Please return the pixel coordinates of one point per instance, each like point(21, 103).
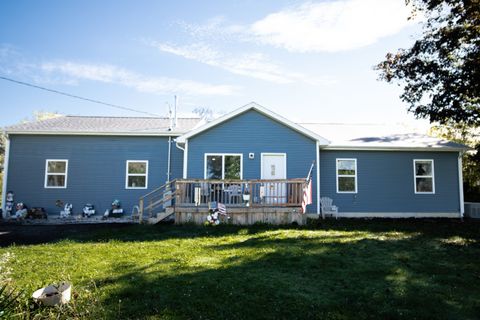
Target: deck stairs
point(160, 216)
point(158, 204)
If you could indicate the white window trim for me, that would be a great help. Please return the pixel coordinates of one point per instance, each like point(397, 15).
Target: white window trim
point(46, 186)
point(136, 175)
point(346, 175)
point(431, 176)
point(223, 163)
point(273, 154)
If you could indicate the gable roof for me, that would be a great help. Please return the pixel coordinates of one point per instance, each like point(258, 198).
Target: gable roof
point(254, 106)
point(84, 125)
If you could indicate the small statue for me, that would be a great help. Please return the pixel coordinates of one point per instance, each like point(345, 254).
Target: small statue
point(37, 213)
point(21, 212)
point(67, 210)
point(9, 204)
point(115, 211)
point(88, 210)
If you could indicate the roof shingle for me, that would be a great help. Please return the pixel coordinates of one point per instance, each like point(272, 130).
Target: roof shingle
point(85, 124)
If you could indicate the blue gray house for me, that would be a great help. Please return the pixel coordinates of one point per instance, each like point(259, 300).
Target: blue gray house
point(251, 159)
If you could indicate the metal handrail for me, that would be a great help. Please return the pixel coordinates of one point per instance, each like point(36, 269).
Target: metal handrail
point(159, 192)
point(158, 189)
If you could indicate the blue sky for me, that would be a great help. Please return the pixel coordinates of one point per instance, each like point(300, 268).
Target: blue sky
point(311, 61)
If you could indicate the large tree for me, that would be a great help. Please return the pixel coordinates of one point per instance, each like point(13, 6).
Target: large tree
point(471, 159)
point(440, 73)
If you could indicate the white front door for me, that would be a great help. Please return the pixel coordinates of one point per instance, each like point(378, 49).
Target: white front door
point(274, 166)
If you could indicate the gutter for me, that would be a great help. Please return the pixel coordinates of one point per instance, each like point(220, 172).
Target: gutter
point(432, 149)
point(89, 133)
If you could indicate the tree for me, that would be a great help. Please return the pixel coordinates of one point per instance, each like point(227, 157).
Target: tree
point(204, 113)
point(440, 73)
point(469, 136)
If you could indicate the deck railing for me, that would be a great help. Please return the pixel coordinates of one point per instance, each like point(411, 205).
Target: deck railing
point(157, 200)
point(246, 193)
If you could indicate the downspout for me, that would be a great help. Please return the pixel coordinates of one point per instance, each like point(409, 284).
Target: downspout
point(317, 151)
point(185, 160)
point(185, 157)
point(169, 157)
point(460, 184)
point(5, 174)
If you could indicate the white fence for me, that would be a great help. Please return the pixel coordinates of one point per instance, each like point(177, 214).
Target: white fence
point(472, 210)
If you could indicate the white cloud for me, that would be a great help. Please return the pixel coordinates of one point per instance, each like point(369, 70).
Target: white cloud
point(115, 75)
point(327, 26)
point(215, 28)
point(331, 26)
point(254, 65)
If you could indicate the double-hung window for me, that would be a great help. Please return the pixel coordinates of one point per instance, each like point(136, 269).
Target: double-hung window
point(346, 175)
point(137, 174)
point(223, 166)
point(424, 176)
point(56, 171)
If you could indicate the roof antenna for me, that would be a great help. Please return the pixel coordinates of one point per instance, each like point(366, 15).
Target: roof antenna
point(170, 119)
point(175, 114)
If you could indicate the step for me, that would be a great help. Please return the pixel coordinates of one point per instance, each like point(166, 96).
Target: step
point(161, 216)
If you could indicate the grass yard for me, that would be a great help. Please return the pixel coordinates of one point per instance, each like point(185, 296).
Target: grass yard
point(416, 269)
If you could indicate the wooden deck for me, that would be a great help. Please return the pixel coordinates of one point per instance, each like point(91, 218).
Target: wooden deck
point(247, 201)
point(242, 215)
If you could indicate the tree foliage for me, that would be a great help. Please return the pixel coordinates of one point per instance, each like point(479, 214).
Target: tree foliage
point(204, 113)
point(469, 136)
point(440, 73)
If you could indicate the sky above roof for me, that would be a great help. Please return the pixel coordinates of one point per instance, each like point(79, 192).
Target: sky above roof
point(310, 61)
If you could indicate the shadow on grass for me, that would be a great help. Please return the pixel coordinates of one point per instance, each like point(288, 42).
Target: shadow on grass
point(28, 234)
point(297, 279)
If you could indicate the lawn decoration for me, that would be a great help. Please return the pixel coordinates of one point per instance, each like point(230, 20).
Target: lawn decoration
point(215, 212)
point(54, 294)
point(21, 212)
point(37, 213)
point(67, 210)
point(115, 211)
point(88, 210)
point(9, 204)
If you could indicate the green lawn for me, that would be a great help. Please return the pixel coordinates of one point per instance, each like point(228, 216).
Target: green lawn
point(332, 270)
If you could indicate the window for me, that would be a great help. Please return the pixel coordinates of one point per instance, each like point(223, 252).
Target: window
point(223, 166)
point(56, 173)
point(346, 175)
point(137, 174)
point(424, 176)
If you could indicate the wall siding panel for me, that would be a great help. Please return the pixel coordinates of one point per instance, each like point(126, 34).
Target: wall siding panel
point(254, 132)
point(386, 182)
point(96, 169)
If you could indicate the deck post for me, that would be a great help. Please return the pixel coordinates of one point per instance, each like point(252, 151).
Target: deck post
point(141, 210)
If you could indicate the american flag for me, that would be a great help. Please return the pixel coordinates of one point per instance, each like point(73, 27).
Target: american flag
point(222, 209)
point(307, 190)
point(307, 195)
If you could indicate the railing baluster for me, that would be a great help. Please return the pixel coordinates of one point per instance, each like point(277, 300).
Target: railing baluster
point(275, 193)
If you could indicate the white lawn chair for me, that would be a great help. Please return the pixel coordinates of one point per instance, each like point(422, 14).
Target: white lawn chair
point(328, 207)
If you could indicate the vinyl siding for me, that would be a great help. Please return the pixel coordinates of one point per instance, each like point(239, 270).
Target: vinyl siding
point(254, 132)
point(386, 182)
point(96, 169)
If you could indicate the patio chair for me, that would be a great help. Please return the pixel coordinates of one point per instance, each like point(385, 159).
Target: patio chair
point(234, 193)
point(328, 207)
